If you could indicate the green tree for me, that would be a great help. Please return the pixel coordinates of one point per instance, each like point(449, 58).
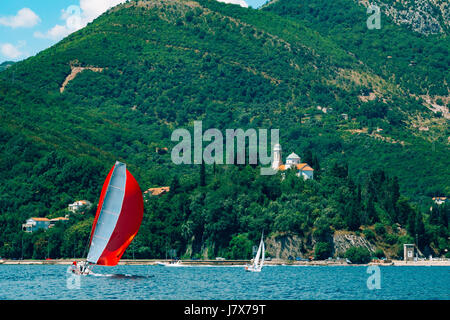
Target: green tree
point(358, 255)
point(240, 247)
point(322, 250)
point(419, 230)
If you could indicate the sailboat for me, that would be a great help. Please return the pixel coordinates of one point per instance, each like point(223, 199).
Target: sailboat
point(117, 220)
point(258, 262)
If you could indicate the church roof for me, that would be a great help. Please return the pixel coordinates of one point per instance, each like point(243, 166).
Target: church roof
point(293, 156)
point(301, 167)
point(304, 167)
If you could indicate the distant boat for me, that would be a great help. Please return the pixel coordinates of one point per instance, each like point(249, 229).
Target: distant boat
point(170, 264)
point(117, 221)
point(257, 262)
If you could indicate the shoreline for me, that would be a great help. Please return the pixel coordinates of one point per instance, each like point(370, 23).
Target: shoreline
point(275, 262)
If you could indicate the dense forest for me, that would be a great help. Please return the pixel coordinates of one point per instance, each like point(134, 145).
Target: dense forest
point(169, 63)
point(221, 211)
point(420, 62)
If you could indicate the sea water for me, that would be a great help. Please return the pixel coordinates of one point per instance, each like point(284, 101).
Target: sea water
point(45, 282)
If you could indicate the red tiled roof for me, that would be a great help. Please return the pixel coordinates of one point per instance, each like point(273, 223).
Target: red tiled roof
point(300, 166)
point(157, 191)
point(59, 219)
point(304, 167)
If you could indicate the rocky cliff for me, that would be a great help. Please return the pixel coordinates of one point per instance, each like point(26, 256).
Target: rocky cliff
point(285, 245)
point(342, 241)
point(423, 16)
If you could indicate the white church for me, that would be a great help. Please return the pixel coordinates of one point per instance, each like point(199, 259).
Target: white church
point(292, 161)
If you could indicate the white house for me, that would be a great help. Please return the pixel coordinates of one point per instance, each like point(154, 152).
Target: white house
point(34, 224)
point(292, 161)
point(439, 200)
point(78, 205)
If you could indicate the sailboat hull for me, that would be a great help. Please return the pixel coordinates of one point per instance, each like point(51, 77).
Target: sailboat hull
point(252, 269)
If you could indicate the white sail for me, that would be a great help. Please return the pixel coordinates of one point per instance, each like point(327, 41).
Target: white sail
point(258, 262)
point(263, 253)
point(255, 263)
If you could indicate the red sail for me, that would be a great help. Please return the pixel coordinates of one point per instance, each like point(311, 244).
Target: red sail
point(118, 218)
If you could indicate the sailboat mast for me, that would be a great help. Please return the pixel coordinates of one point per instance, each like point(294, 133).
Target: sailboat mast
point(263, 253)
point(255, 263)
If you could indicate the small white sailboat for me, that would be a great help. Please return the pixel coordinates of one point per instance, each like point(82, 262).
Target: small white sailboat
point(258, 262)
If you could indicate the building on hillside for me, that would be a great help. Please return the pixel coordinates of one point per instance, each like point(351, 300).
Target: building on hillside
point(56, 220)
point(304, 170)
point(34, 224)
point(157, 191)
point(79, 206)
point(439, 200)
point(325, 109)
point(163, 150)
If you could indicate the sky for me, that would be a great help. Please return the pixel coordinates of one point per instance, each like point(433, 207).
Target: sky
point(29, 26)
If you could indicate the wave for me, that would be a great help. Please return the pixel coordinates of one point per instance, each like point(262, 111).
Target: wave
point(121, 276)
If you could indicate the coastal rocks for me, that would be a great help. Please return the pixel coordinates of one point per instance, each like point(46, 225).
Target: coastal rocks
point(282, 246)
point(285, 245)
point(344, 241)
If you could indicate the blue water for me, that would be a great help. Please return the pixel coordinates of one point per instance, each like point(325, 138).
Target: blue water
point(42, 282)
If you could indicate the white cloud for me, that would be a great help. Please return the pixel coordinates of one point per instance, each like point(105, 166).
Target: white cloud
point(242, 3)
point(92, 9)
point(11, 51)
point(25, 18)
point(56, 33)
point(77, 17)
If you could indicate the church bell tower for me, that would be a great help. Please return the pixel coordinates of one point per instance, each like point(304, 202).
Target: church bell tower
point(276, 162)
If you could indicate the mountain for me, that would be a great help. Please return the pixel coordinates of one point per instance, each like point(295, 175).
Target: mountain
point(422, 16)
point(397, 51)
point(117, 89)
point(5, 65)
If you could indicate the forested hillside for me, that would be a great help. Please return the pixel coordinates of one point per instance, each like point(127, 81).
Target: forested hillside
point(154, 66)
point(418, 64)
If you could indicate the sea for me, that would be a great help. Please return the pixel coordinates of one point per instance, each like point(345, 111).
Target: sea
point(138, 282)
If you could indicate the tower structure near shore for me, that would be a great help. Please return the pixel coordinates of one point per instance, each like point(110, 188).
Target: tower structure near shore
point(408, 252)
